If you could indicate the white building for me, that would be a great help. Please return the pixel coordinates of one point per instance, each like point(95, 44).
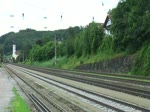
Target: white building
point(14, 55)
point(107, 25)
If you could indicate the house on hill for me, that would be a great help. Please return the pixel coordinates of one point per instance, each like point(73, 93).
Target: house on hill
point(107, 25)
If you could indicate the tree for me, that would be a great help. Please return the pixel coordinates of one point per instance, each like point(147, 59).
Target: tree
point(97, 38)
point(71, 35)
point(92, 38)
point(78, 46)
point(130, 25)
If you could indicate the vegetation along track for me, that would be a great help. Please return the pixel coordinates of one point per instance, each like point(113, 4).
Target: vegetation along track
point(111, 82)
point(85, 92)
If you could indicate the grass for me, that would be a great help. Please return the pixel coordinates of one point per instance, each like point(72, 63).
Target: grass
point(71, 62)
point(142, 63)
point(51, 63)
point(18, 104)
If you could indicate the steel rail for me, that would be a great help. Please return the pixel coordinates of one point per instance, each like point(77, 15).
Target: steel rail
point(82, 72)
point(104, 84)
point(121, 102)
point(39, 104)
point(45, 97)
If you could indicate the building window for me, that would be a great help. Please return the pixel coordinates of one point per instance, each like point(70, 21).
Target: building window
point(108, 22)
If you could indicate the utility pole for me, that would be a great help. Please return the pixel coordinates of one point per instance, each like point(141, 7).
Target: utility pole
point(56, 45)
point(23, 49)
point(23, 56)
point(12, 16)
point(55, 50)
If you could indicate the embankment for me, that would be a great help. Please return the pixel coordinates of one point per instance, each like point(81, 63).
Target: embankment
point(122, 64)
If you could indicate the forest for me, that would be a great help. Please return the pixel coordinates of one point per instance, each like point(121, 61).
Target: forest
point(130, 33)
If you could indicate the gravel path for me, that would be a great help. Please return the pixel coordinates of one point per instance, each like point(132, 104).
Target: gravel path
point(6, 86)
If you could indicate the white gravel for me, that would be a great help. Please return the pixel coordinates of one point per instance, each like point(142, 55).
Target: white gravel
point(6, 94)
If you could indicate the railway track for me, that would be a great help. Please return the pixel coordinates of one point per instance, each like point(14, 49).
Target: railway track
point(115, 77)
point(105, 82)
point(91, 74)
point(39, 104)
point(65, 86)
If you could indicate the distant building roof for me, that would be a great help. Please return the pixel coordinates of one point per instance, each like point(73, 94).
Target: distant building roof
point(100, 24)
point(106, 20)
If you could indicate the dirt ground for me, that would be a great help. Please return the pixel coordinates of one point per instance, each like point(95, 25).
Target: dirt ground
point(6, 86)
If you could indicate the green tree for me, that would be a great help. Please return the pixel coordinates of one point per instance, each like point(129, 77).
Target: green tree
point(92, 38)
point(71, 34)
point(130, 26)
point(78, 45)
point(97, 38)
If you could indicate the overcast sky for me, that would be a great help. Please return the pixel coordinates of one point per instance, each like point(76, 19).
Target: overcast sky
point(74, 13)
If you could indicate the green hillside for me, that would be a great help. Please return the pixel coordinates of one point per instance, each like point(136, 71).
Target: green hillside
point(26, 39)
